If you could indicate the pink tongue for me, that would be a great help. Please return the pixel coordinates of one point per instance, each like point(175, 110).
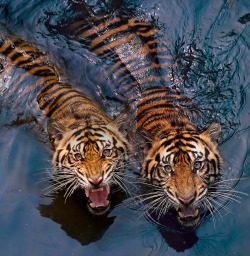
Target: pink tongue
point(98, 196)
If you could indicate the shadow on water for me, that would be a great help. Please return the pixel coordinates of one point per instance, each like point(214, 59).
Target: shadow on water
point(179, 241)
point(74, 217)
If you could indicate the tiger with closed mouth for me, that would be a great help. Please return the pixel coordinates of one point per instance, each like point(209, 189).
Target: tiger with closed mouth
point(181, 162)
point(89, 150)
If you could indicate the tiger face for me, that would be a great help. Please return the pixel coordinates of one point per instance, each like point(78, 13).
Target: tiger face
point(91, 158)
point(185, 167)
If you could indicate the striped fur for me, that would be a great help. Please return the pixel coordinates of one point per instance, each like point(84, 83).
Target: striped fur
point(131, 49)
point(181, 161)
point(89, 150)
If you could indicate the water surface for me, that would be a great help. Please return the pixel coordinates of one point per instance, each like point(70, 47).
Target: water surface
point(212, 40)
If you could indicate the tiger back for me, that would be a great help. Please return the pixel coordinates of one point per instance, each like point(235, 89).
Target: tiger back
point(89, 150)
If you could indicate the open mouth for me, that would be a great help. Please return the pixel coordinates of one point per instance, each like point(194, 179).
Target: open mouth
point(188, 214)
point(98, 200)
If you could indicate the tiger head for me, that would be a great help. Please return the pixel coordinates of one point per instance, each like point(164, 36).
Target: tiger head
point(184, 166)
point(90, 157)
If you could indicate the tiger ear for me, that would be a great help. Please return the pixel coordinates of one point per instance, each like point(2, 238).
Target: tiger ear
point(55, 131)
point(213, 131)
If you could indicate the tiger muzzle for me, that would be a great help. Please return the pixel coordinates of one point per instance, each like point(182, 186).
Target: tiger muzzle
point(187, 211)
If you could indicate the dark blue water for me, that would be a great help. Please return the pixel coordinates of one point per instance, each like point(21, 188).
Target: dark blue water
point(211, 40)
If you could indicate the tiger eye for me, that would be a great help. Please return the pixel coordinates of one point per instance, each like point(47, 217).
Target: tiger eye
point(197, 165)
point(168, 168)
point(107, 152)
point(77, 156)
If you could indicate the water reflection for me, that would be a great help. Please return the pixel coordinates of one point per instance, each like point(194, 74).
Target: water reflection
point(179, 241)
point(74, 217)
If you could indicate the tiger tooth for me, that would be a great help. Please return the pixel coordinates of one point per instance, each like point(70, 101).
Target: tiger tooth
point(92, 205)
point(107, 203)
point(196, 212)
point(181, 214)
point(87, 192)
point(108, 189)
point(96, 190)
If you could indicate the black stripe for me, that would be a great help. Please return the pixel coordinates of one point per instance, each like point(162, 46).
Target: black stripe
point(114, 141)
point(146, 167)
point(109, 28)
point(108, 172)
point(8, 50)
point(52, 100)
point(208, 170)
point(191, 139)
point(157, 90)
point(58, 153)
point(99, 45)
point(206, 152)
point(168, 142)
point(22, 62)
point(46, 72)
point(78, 132)
point(2, 41)
point(121, 149)
point(50, 86)
point(16, 55)
point(69, 160)
point(213, 164)
point(157, 158)
point(155, 117)
point(68, 147)
point(152, 171)
point(49, 95)
point(218, 161)
point(190, 145)
point(56, 107)
point(35, 65)
point(150, 108)
point(159, 173)
point(62, 159)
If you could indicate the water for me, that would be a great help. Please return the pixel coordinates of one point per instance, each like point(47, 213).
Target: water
point(212, 41)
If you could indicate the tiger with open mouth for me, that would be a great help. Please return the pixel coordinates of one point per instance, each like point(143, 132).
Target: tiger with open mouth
point(181, 162)
point(89, 150)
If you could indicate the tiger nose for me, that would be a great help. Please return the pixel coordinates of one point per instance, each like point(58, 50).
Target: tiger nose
point(95, 182)
point(186, 199)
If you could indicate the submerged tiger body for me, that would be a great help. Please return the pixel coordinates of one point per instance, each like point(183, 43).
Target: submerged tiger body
point(89, 150)
point(181, 162)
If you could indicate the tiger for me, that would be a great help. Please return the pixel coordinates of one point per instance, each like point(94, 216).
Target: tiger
point(89, 151)
point(180, 162)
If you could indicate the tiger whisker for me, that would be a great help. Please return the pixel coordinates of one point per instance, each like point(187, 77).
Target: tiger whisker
point(220, 205)
point(226, 196)
point(145, 199)
point(151, 195)
point(151, 205)
point(57, 186)
point(165, 207)
point(208, 205)
point(233, 179)
point(142, 182)
point(121, 183)
point(230, 190)
point(71, 189)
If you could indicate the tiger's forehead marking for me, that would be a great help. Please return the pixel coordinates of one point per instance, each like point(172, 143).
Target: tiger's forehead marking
point(175, 144)
point(102, 136)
